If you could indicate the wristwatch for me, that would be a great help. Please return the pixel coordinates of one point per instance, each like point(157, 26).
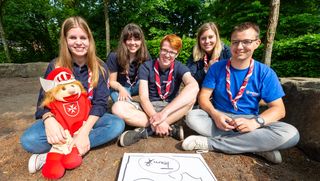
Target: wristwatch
point(260, 121)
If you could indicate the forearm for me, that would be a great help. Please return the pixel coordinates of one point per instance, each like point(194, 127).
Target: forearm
point(88, 125)
point(187, 96)
point(272, 114)
point(116, 85)
point(207, 106)
point(147, 106)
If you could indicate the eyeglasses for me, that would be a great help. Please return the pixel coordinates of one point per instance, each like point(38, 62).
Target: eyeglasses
point(171, 53)
point(244, 43)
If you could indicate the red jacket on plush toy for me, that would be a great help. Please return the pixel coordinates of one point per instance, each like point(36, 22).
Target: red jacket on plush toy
point(69, 104)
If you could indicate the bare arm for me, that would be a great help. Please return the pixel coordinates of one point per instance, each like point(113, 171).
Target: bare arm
point(81, 140)
point(221, 120)
point(188, 95)
point(144, 97)
point(274, 113)
point(114, 84)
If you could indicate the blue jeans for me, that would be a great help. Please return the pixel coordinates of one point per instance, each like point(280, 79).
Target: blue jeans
point(133, 91)
point(106, 128)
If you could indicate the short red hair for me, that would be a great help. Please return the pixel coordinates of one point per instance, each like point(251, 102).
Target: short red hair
point(174, 41)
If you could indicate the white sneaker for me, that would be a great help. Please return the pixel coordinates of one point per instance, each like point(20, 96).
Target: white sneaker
point(36, 162)
point(195, 143)
point(272, 156)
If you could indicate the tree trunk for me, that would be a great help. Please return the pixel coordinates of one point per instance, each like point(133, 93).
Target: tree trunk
point(2, 35)
point(272, 26)
point(106, 16)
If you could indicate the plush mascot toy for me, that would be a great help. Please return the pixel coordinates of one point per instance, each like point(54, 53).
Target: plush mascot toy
point(69, 104)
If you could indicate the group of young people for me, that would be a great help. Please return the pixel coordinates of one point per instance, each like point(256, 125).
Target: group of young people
point(225, 112)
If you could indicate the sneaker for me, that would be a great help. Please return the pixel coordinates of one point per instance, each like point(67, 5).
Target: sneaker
point(132, 136)
point(36, 162)
point(177, 132)
point(195, 143)
point(272, 156)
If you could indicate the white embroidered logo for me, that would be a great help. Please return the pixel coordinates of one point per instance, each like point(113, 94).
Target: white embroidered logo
point(71, 109)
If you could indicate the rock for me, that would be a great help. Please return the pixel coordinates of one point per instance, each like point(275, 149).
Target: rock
point(35, 69)
point(302, 102)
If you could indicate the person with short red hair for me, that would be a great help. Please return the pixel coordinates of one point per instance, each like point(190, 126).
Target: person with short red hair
point(161, 103)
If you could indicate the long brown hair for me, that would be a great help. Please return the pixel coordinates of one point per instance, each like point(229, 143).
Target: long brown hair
point(198, 52)
point(65, 58)
point(131, 30)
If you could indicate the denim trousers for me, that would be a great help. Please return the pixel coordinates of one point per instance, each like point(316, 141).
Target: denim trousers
point(106, 128)
point(133, 91)
point(276, 136)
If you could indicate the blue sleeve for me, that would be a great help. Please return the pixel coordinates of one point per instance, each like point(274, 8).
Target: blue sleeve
point(182, 69)
point(210, 79)
point(42, 110)
point(192, 65)
point(112, 62)
point(271, 87)
point(144, 70)
point(100, 95)
point(225, 52)
point(196, 72)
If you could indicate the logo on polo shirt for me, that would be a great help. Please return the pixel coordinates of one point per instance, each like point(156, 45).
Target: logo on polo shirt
point(251, 93)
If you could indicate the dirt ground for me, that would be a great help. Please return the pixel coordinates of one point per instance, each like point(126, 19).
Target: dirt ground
point(17, 105)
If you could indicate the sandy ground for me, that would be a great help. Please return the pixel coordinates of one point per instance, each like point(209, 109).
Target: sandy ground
point(17, 105)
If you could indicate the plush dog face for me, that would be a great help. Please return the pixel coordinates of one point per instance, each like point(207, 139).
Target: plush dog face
point(68, 92)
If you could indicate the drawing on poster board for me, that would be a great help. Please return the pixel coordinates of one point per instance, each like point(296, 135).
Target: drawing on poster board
point(164, 166)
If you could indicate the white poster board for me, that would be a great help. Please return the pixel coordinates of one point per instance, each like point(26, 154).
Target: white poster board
point(164, 167)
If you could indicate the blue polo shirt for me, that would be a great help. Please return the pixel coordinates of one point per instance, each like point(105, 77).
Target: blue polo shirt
point(263, 84)
point(114, 66)
point(146, 72)
point(100, 93)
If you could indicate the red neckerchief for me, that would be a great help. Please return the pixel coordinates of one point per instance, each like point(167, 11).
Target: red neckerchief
point(128, 79)
point(243, 86)
point(206, 61)
point(158, 83)
point(90, 87)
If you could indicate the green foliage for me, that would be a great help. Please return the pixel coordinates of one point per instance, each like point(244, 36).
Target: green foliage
point(32, 27)
point(305, 47)
point(299, 24)
point(303, 68)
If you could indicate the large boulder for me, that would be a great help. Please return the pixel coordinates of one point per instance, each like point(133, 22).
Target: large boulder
point(36, 69)
point(302, 102)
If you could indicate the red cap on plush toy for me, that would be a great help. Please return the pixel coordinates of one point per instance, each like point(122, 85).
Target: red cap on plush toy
point(56, 77)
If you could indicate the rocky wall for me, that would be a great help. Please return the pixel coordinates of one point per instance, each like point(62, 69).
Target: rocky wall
point(302, 103)
point(36, 69)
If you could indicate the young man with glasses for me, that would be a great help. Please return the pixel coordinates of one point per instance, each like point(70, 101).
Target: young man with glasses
point(230, 122)
point(162, 104)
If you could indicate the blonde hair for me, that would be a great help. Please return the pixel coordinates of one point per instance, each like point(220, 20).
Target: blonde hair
point(65, 58)
point(198, 52)
point(49, 96)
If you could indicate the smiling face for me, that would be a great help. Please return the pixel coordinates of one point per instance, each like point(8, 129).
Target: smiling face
point(78, 43)
point(68, 92)
point(167, 55)
point(243, 44)
point(133, 44)
point(208, 41)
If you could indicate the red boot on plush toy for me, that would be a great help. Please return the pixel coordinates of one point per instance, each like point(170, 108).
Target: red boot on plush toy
point(72, 160)
point(53, 168)
point(69, 105)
